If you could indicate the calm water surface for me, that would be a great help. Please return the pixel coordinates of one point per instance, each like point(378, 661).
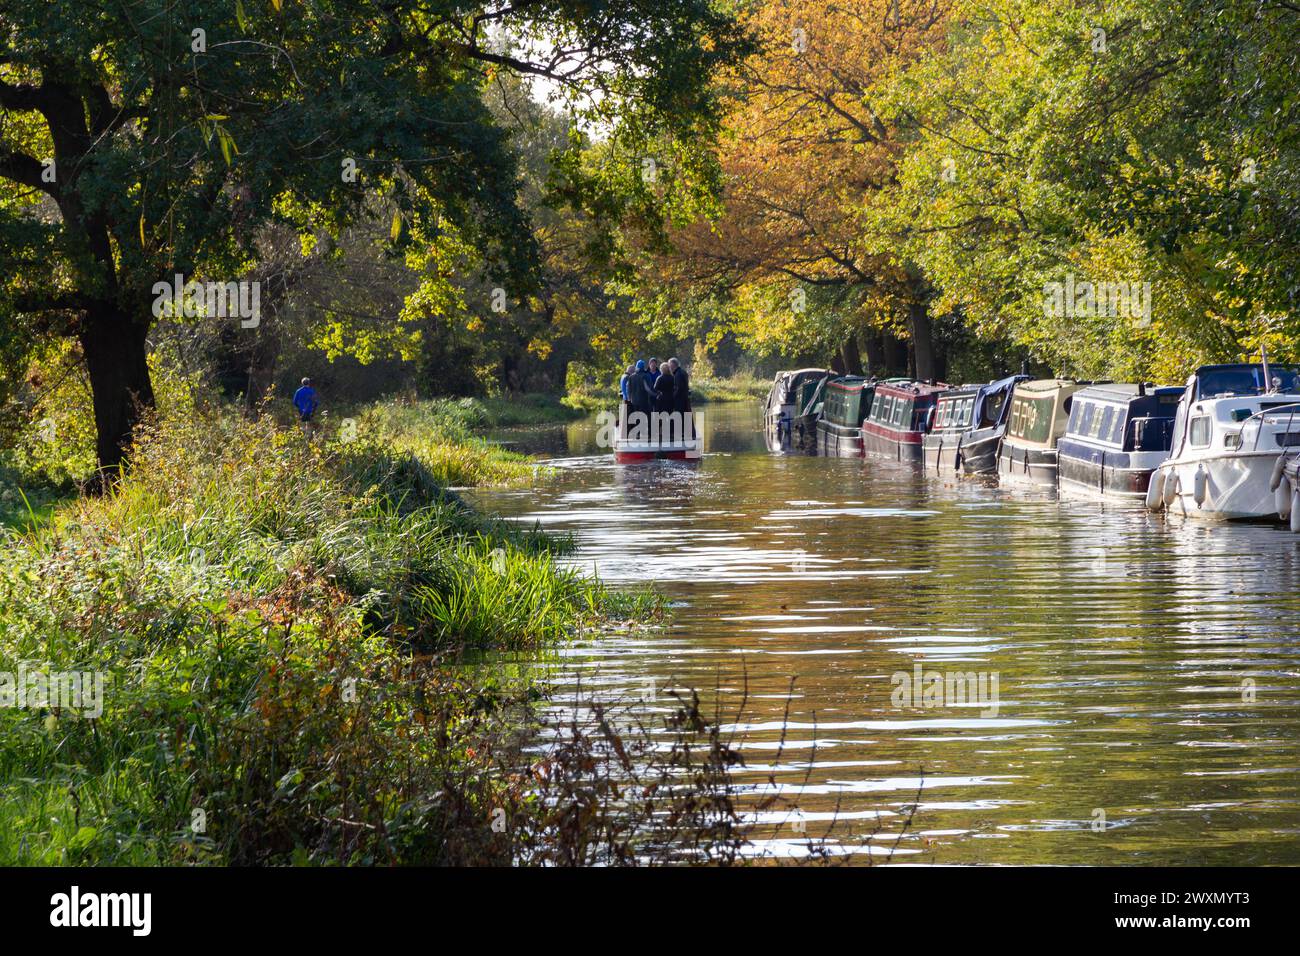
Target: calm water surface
point(1148, 670)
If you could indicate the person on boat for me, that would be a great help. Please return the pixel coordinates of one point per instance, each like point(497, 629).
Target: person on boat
point(305, 401)
point(639, 393)
point(681, 387)
point(622, 382)
point(664, 389)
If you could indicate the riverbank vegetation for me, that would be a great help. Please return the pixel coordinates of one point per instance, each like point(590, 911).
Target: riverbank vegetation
point(277, 626)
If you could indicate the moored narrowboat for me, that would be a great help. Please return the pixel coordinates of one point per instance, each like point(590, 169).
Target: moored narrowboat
point(846, 401)
point(1040, 410)
point(1116, 436)
point(792, 409)
point(899, 417)
point(968, 423)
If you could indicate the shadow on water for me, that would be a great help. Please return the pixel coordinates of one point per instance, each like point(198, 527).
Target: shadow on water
point(1147, 707)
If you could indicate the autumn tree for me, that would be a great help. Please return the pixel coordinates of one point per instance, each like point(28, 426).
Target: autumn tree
point(806, 147)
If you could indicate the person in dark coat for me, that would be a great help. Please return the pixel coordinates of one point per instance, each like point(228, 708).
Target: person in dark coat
point(664, 391)
point(681, 387)
point(639, 393)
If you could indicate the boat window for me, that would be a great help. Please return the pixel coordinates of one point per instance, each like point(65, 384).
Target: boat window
point(1087, 413)
point(902, 412)
point(1076, 413)
point(1245, 381)
point(944, 417)
point(964, 414)
point(1117, 427)
point(880, 409)
point(993, 408)
point(1200, 431)
point(1105, 418)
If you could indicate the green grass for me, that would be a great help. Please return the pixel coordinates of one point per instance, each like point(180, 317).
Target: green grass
point(277, 625)
point(734, 388)
point(442, 433)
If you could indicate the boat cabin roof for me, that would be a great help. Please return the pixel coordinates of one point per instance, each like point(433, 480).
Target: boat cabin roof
point(849, 382)
point(1125, 392)
point(912, 389)
point(963, 391)
point(1043, 386)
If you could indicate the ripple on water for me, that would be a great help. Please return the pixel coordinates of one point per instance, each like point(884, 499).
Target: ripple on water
point(1148, 672)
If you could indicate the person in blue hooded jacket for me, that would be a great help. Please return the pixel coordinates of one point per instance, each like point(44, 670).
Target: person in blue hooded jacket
point(305, 401)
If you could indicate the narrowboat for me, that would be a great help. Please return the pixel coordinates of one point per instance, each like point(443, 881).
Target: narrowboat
point(899, 417)
point(1039, 412)
point(1116, 437)
point(967, 426)
point(1233, 433)
point(845, 403)
point(640, 437)
point(792, 409)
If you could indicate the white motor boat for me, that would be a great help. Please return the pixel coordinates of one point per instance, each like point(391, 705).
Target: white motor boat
point(1233, 426)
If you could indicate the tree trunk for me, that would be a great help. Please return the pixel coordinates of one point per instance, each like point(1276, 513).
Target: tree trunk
point(850, 355)
point(918, 317)
point(114, 349)
point(263, 359)
point(895, 355)
point(873, 349)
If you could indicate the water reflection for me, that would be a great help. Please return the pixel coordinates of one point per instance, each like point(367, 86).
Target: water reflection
point(1148, 709)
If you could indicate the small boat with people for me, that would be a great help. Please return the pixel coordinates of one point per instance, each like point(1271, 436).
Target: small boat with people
point(898, 419)
point(1040, 410)
point(846, 402)
point(1233, 437)
point(654, 420)
point(1116, 437)
point(793, 408)
point(968, 425)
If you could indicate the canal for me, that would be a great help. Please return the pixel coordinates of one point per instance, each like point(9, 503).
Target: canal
point(1019, 679)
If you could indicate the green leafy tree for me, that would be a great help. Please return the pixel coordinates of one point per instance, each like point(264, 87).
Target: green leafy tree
point(160, 138)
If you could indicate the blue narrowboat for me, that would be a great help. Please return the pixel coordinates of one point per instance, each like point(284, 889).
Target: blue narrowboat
point(1118, 434)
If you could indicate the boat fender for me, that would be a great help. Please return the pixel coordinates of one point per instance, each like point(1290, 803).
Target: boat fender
point(1171, 489)
point(1282, 500)
point(1200, 483)
point(1295, 512)
point(1275, 479)
point(1156, 491)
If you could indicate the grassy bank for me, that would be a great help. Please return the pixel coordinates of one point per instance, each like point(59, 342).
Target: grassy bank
point(443, 434)
point(275, 626)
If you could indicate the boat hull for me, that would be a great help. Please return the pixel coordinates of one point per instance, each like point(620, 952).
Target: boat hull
point(1237, 487)
point(665, 454)
point(881, 442)
point(1027, 465)
point(979, 453)
point(838, 441)
point(961, 453)
point(1105, 472)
